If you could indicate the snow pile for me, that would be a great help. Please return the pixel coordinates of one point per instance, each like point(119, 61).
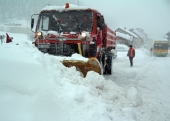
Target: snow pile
point(36, 86)
point(134, 97)
point(129, 114)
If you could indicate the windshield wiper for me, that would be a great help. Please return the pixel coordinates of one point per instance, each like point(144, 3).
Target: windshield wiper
point(58, 23)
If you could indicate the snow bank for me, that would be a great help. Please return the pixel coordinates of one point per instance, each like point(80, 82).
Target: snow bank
point(36, 86)
point(134, 96)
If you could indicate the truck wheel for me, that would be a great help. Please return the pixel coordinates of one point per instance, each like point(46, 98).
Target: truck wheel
point(108, 67)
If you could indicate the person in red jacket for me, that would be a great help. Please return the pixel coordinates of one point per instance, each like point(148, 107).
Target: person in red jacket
point(131, 54)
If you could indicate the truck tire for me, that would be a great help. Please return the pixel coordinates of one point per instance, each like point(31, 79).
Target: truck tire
point(109, 63)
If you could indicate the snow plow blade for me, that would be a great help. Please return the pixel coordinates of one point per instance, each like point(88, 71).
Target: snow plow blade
point(91, 65)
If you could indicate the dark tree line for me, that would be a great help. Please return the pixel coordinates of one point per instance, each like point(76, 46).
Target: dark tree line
point(23, 9)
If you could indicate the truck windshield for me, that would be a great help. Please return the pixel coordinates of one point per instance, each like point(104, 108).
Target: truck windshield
point(66, 21)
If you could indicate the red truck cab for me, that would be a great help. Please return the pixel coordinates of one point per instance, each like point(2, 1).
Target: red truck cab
point(74, 29)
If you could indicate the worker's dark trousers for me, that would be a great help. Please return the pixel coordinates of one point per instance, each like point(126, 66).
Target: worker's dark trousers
point(131, 61)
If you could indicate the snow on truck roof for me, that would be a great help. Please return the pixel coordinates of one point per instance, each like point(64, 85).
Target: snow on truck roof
point(163, 40)
point(62, 8)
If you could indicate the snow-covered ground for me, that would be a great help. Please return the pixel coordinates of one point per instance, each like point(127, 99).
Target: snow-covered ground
point(37, 87)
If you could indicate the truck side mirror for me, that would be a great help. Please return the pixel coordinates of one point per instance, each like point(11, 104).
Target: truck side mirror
point(34, 17)
point(32, 23)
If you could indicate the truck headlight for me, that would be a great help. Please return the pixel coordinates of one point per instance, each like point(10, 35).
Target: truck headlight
point(84, 35)
point(39, 35)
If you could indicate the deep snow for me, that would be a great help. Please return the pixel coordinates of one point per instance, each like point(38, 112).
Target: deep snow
point(37, 87)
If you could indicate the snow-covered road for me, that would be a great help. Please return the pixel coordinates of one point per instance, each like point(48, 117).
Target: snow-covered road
point(150, 76)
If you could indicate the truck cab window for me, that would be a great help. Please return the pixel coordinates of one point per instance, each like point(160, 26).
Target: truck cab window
point(100, 22)
point(44, 22)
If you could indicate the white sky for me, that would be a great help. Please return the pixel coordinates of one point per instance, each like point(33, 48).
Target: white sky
point(37, 87)
point(151, 15)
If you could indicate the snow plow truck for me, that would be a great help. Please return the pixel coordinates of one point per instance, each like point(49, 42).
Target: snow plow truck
point(69, 29)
